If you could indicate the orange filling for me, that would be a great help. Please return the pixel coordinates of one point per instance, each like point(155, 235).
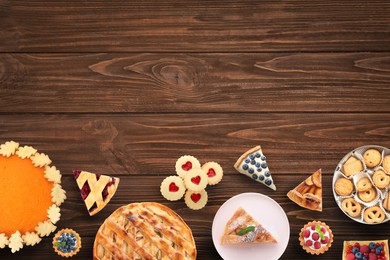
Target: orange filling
point(25, 195)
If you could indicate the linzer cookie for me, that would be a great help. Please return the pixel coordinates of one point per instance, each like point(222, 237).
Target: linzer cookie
point(196, 180)
point(214, 172)
point(253, 164)
point(366, 201)
point(172, 188)
point(186, 163)
point(196, 199)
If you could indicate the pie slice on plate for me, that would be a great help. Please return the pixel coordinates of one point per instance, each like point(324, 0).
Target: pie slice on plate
point(96, 189)
point(308, 194)
point(253, 164)
point(243, 229)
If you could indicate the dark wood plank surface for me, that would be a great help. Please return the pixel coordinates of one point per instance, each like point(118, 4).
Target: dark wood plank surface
point(127, 87)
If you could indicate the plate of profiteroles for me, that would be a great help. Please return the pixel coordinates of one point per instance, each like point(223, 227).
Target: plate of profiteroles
point(361, 184)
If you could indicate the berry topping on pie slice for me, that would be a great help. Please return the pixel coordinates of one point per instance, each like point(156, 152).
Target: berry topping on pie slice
point(253, 164)
point(308, 194)
point(242, 229)
point(96, 189)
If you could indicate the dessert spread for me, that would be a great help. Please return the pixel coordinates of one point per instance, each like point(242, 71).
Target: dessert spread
point(66, 242)
point(242, 229)
point(316, 237)
point(146, 230)
point(253, 164)
point(96, 189)
point(308, 194)
point(27, 184)
point(366, 250)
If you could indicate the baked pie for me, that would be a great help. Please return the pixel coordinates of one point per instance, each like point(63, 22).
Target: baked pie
point(308, 194)
point(253, 164)
point(30, 196)
point(370, 250)
point(96, 189)
point(242, 229)
point(146, 230)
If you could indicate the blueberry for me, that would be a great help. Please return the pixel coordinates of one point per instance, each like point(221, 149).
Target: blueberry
point(263, 165)
point(258, 165)
point(254, 176)
point(267, 174)
point(355, 250)
point(380, 247)
point(253, 162)
point(268, 182)
point(259, 169)
point(247, 160)
point(359, 255)
point(245, 167)
point(263, 158)
point(72, 235)
point(364, 258)
point(371, 245)
point(261, 177)
point(251, 170)
point(257, 155)
point(377, 251)
point(252, 156)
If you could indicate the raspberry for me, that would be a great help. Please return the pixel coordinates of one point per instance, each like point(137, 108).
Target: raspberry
point(323, 230)
point(350, 256)
point(313, 227)
point(309, 243)
point(315, 236)
point(317, 245)
point(325, 240)
point(357, 245)
point(364, 249)
point(306, 233)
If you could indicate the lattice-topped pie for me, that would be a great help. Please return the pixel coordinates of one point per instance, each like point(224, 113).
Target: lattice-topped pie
point(308, 194)
point(96, 189)
point(242, 229)
point(146, 230)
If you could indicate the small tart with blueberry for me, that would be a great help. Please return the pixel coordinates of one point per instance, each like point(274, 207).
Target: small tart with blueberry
point(196, 199)
point(370, 249)
point(253, 164)
point(96, 189)
point(172, 188)
point(214, 172)
point(66, 242)
point(186, 163)
point(196, 180)
point(316, 237)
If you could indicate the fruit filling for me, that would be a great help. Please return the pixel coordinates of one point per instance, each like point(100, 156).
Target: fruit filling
point(173, 187)
point(195, 180)
point(316, 236)
point(211, 173)
point(372, 251)
point(187, 166)
point(195, 197)
point(66, 242)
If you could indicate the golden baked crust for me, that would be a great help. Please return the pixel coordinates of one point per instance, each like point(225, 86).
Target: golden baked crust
point(381, 179)
point(308, 194)
point(352, 207)
point(367, 195)
point(363, 184)
point(343, 187)
point(374, 215)
point(146, 230)
point(240, 221)
point(372, 157)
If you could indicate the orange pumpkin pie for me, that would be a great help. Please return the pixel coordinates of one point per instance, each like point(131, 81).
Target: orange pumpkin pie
point(30, 196)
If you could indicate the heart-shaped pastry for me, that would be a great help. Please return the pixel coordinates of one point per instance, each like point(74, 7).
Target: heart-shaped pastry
point(196, 180)
point(214, 172)
point(196, 199)
point(173, 187)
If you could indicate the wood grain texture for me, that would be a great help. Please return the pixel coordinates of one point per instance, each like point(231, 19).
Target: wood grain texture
point(194, 26)
point(325, 82)
point(143, 144)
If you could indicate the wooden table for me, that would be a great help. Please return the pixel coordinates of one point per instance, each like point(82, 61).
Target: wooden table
point(126, 87)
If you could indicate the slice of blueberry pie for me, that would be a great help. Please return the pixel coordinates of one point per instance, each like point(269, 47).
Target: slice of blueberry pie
point(253, 164)
point(96, 189)
point(242, 229)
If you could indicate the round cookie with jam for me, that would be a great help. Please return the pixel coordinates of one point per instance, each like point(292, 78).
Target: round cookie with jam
point(214, 172)
point(316, 237)
point(172, 188)
point(372, 158)
point(196, 180)
point(186, 163)
point(196, 199)
point(66, 242)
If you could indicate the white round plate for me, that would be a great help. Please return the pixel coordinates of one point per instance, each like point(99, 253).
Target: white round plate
point(267, 212)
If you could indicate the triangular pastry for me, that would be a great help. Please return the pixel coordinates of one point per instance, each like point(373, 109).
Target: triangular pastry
point(96, 189)
point(243, 229)
point(308, 194)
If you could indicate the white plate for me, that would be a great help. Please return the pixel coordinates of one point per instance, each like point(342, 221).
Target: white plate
point(267, 212)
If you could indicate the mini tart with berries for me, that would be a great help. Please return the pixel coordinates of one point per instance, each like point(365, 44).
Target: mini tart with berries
point(186, 163)
point(31, 193)
point(367, 250)
point(172, 188)
point(96, 189)
point(214, 172)
point(316, 237)
point(66, 242)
